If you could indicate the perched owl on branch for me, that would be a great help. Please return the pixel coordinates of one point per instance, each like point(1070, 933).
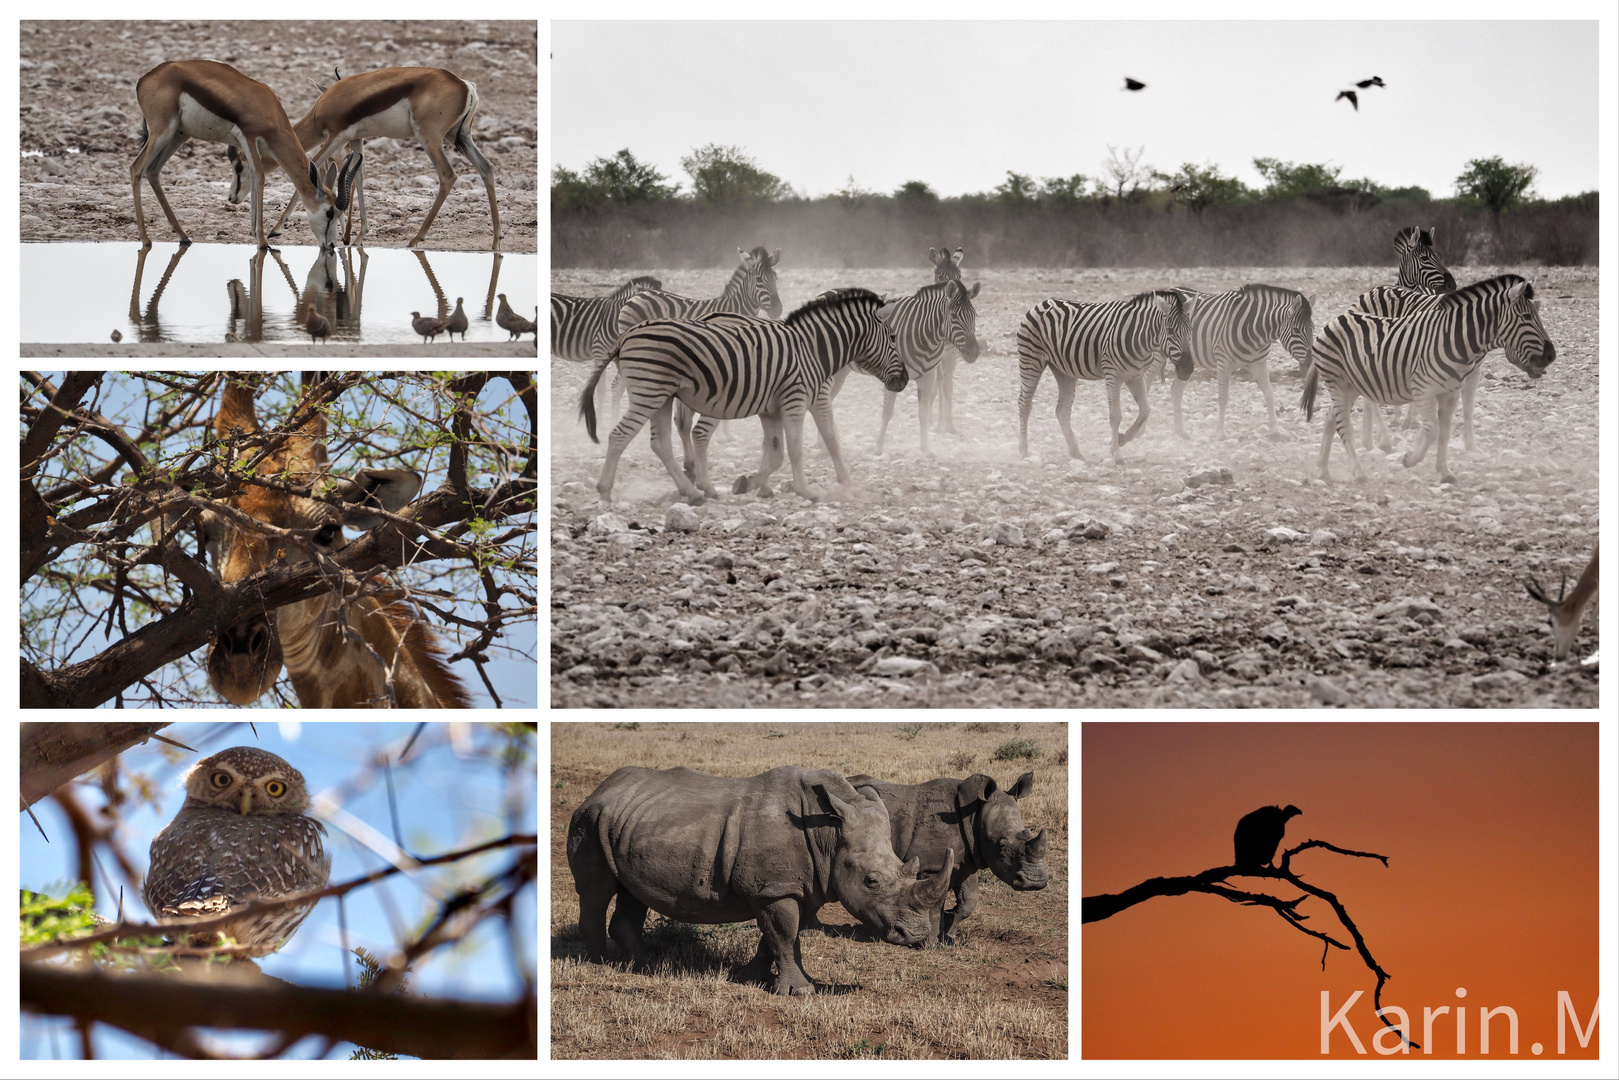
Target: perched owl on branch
point(243, 834)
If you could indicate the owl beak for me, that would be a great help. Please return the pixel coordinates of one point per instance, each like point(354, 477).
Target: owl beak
point(247, 800)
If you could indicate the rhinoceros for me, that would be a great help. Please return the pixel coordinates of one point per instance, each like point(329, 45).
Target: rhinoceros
point(715, 849)
point(970, 825)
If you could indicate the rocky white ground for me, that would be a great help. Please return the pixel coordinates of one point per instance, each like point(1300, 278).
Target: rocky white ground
point(1201, 573)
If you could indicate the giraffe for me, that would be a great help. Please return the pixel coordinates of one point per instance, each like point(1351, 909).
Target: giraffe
point(339, 651)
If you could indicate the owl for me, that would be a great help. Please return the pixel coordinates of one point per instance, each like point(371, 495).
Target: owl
point(242, 834)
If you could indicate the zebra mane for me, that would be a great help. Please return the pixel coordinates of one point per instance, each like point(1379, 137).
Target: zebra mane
point(635, 285)
point(833, 299)
point(1151, 295)
point(1487, 287)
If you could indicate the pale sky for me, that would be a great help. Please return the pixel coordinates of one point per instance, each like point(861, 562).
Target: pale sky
point(957, 104)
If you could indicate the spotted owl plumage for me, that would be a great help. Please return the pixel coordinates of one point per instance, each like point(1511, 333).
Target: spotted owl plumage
point(242, 834)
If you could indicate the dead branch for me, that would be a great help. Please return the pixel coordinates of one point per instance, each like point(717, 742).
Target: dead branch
point(1212, 881)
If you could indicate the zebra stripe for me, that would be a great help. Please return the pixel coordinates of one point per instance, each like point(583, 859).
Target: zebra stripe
point(730, 366)
point(1423, 357)
point(1232, 330)
point(583, 328)
point(1117, 342)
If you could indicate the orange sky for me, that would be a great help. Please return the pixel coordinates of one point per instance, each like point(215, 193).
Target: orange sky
point(1492, 835)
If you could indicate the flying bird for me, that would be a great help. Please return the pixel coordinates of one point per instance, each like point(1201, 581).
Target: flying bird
point(1132, 84)
point(1259, 834)
point(1350, 94)
point(1373, 81)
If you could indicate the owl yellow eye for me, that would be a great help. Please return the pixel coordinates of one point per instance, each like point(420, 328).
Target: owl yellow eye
point(220, 779)
point(276, 789)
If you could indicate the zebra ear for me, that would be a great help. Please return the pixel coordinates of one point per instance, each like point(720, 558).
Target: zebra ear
point(774, 258)
point(742, 253)
point(956, 256)
point(975, 290)
point(1521, 291)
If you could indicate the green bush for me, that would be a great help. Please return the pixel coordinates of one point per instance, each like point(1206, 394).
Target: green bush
point(1017, 748)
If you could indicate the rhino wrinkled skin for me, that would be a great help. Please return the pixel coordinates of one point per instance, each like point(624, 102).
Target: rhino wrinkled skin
point(969, 824)
point(718, 849)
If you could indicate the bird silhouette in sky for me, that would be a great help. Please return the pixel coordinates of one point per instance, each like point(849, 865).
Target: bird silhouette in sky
point(1373, 81)
point(1350, 94)
point(1133, 84)
point(1259, 834)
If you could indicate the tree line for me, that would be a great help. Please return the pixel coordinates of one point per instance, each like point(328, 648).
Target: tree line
point(619, 211)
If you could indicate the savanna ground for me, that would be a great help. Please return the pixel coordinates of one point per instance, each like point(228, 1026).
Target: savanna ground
point(80, 127)
point(972, 576)
point(1001, 993)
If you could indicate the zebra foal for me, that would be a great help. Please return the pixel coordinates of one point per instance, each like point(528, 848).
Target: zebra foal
point(1116, 342)
point(1233, 330)
point(1420, 275)
point(730, 366)
point(1423, 358)
point(947, 267)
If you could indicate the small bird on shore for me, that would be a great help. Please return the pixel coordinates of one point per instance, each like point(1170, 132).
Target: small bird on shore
point(1373, 81)
point(117, 337)
point(427, 326)
point(458, 322)
point(1133, 84)
point(1350, 94)
point(514, 324)
point(315, 324)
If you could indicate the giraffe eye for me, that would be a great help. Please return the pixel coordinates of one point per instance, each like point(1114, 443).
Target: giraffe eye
point(276, 789)
point(220, 779)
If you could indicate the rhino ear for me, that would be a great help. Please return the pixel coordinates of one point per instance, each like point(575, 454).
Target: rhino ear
point(869, 792)
point(1024, 785)
point(975, 788)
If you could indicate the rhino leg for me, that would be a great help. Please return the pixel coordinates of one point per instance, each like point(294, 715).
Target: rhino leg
point(966, 904)
point(809, 921)
point(778, 922)
point(593, 920)
point(628, 916)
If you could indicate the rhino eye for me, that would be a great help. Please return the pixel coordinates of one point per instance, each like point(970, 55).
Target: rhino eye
point(872, 881)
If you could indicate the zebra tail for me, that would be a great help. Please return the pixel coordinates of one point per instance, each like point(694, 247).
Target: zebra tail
point(587, 400)
point(1307, 402)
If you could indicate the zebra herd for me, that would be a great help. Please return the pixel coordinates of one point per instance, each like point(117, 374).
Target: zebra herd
point(1418, 342)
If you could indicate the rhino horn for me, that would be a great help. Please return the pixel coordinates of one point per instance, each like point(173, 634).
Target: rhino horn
point(931, 892)
point(1037, 847)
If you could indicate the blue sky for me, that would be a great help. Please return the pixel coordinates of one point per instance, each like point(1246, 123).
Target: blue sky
point(956, 103)
point(448, 797)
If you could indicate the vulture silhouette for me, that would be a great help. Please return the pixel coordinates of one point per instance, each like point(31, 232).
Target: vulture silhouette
point(1259, 834)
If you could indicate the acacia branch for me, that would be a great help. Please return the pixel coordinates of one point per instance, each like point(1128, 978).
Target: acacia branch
point(160, 1009)
point(1212, 881)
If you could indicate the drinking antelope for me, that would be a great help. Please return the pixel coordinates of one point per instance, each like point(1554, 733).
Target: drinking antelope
point(421, 103)
point(204, 99)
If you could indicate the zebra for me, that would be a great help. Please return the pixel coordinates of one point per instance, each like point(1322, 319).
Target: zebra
point(752, 288)
point(583, 328)
point(1234, 329)
point(947, 267)
point(1423, 357)
point(731, 366)
point(1420, 273)
point(924, 324)
point(1118, 342)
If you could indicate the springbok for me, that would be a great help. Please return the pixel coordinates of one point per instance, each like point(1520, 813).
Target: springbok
point(421, 103)
point(204, 99)
point(369, 651)
point(1567, 609)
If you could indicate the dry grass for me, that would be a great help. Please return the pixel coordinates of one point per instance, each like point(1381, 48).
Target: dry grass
point(1000, 994)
